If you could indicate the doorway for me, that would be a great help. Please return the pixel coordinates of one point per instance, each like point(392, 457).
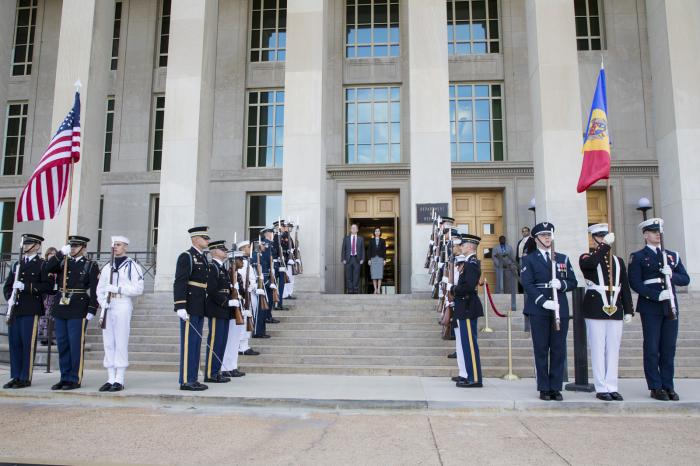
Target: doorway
point(377, 210)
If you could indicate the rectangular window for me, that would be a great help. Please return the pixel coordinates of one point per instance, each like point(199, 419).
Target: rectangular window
point(153, 222)
point(265, 140)
point(371, 28)
point(23, 47)
point(476, 122)
point(116, 33)
point(15, 131)
point(589, 35)
point(109, 127)
point(372, 125)
point(472, 27)
point(268, 31)
point(263, 209)
point(100, 216)
point(164, 33)
point(7, 222)
point(158, 121)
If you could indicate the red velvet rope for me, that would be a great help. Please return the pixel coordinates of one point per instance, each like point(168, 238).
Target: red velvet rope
point(493, 306)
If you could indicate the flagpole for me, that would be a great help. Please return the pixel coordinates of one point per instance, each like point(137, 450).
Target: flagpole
point(64, 299)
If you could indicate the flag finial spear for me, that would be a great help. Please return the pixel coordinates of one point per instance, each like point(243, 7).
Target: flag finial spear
point(602, 63)
point(78, 85)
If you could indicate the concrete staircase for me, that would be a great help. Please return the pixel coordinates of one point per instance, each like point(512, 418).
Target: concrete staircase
point(375, 335)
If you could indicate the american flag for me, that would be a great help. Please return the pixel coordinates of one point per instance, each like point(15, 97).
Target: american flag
point(46, 189)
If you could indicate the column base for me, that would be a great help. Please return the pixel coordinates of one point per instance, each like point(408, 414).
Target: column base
point(163, 283)
point(308, 283)
point(420, 282)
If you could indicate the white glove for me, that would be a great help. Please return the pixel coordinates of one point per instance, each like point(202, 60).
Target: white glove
point(10, 303)
point(235, 286)
point(432, 242)
point(449, 287)
point(555, 283)
point(259, 291)
point(112, 289)
point(273, 286)
point(182, 314)
point(445, 280)
point(609, 239)
point(65, 250)
point(441, 264)
point(628, 318)
point(89, 316)
point(18, 286)
point(291, 250)
point(247, 313)
point(666, 270)
point(665, 295)
point(551, 305)
point(234, 303)
point(102, 316)
point(284, 271)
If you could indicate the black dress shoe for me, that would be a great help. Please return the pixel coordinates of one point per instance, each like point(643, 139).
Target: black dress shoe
point(458, 379)
point(70, 386)
point(616, 396)
point(261, 336)
point(452, 355)
point(116, 387)
point(105, 387)
point(555, 395)
point(545, 396)
point(272, 321)
point(58, 386)
point(466, 384)
point(11, 383)
point(291, 297)
point(281, 308)
point(218, 378)
point(251, 352)
point(22, 384)
point(660, 395)
point(672, 395)
point(237, 373)
point(200, 385)
point(604, 396)
point(192, 387)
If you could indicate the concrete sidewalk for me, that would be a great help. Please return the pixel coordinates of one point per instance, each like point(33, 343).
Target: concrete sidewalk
point(350, 392)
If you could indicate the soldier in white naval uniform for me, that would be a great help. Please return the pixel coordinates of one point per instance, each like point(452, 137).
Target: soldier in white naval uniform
point(127, 282)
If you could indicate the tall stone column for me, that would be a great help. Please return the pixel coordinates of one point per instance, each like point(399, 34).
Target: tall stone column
point(304, 173)
point(674, 41)
point(429, 121)
point(84, 48)
point(556, 122)
point(187, 138)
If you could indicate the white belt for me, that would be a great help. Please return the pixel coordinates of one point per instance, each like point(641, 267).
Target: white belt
point(602, 289)
point(653, 280)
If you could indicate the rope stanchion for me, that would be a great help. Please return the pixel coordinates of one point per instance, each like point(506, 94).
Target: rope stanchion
point(493, 306)
point(486, 328)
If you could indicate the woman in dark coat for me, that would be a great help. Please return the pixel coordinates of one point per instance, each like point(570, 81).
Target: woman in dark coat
point(377, 259)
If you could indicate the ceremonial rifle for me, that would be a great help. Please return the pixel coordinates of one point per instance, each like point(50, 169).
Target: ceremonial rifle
point(12, 302)
point(233, 275)
point(555, 292)
point(248, 298)
point(297, 252)
point(262, 299)
point(103, 320)
point(667, 281)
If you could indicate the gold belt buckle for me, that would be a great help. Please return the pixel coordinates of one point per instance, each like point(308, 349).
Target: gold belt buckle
point(610, 310)
point(65, 299)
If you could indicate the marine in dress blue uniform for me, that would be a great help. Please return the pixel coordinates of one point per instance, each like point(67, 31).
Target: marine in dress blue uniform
point(190, 295)
point(219, 312)
point(26, 307)
point(281, 242)
point(72, 314)
point(647, 276)
point(468, 309)
point(549, 344)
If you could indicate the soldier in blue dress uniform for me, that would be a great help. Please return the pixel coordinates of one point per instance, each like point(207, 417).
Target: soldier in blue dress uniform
point(219, 311)
point(272, 255)
point(26, 307)
point(74, 308)
point(468, 309)
point(549, 344)
point(190, 295)
point(264, 258)
point(647, 276)
point(281, 242)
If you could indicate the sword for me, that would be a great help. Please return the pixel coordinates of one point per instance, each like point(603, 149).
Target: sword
point(205, 342)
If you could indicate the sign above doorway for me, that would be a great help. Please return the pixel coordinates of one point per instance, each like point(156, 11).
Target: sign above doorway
point(424, 212)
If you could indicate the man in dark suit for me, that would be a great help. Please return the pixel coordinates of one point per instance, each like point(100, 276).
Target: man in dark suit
point(540, 283)
point(353, 256)
point(648, 269)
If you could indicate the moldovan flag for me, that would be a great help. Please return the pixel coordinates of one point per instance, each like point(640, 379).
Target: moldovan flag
point(596, 140)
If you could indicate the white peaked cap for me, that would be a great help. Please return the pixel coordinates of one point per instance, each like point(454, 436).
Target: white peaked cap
point(598, 228)
point(120, 239)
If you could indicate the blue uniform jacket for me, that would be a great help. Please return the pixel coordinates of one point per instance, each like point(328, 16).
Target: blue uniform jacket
point(535, 274)
point(646, 278)
point(467, 303)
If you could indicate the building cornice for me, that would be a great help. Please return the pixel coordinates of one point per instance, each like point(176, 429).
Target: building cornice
point(509, 169)
point(393, 170)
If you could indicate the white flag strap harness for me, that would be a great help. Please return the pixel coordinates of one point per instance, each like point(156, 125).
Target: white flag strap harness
point(601, 289)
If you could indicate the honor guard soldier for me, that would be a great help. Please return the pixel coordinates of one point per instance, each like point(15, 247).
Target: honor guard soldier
point(262, 260)
point(651, 269)
point(75, 307)
point(219, 312)
point(249, 278)
point(281, 242)
point(120, 280)
point(545, 311)
point(272, 282)
point(467, 311)
point(24, 295)
point(291, 262)
point(603, 309)
point(190, 293)
point(230, 360)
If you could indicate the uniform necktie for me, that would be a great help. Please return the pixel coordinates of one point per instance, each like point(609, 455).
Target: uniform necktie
point(354, 251)
point(546, 254)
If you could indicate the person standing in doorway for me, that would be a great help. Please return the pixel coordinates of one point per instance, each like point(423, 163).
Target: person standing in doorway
point(502, 255)
point(521, 249)
point(377, 259)
point(353, 256)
